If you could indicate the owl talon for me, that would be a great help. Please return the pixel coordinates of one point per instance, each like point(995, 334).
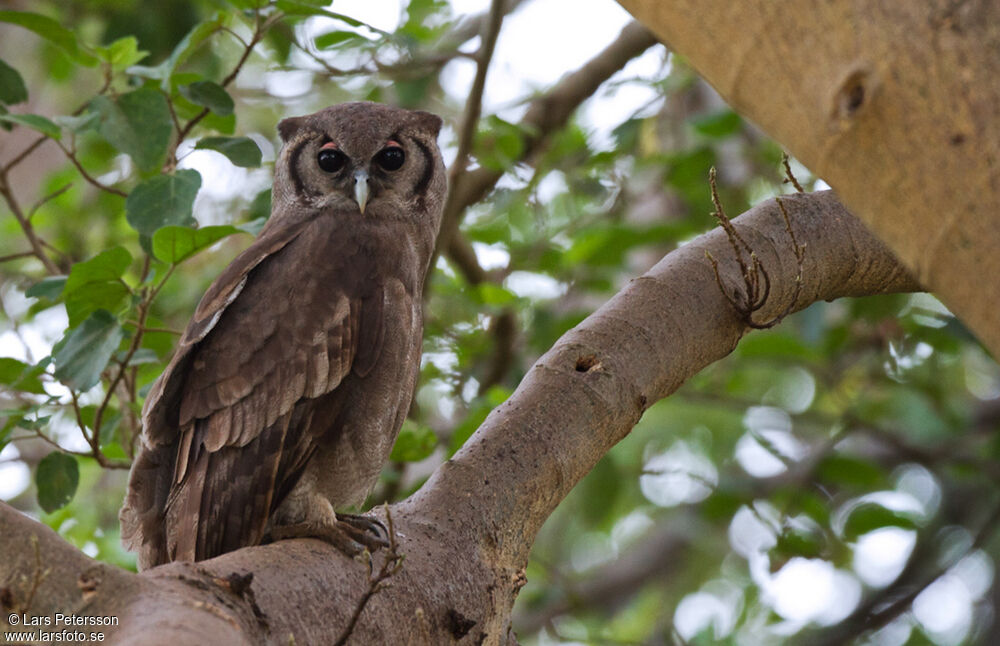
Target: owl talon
point(365, 529)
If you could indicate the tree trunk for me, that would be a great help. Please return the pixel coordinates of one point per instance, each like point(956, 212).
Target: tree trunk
point(895, 104)
point(467, 533)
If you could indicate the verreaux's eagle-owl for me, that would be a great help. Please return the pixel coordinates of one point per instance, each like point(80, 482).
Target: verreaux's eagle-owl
point(292, 379)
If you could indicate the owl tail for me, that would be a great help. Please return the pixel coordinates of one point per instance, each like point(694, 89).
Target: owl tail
point(142, 514)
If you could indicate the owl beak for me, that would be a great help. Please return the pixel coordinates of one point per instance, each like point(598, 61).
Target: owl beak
point(361, 189)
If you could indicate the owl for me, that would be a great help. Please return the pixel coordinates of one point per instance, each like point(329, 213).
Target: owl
point(290, 383)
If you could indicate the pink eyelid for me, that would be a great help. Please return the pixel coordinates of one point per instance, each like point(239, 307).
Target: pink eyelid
point(329, 146)
point(392, 143)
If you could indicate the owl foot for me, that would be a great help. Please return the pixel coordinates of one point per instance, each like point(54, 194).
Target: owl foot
point(367, 527)
point(355, 536)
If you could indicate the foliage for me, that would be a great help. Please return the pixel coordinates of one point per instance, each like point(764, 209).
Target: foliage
point(850, 422)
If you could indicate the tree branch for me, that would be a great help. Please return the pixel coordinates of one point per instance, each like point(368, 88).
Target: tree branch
point(474, 105)
point(545, 115)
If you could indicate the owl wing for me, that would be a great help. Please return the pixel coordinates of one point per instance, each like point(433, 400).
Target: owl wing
point(227, 423)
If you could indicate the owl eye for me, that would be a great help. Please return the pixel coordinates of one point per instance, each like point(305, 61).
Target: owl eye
point(331, 160)
point(390, 158)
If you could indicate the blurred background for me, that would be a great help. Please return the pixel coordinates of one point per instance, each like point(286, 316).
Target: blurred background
point(833, 481)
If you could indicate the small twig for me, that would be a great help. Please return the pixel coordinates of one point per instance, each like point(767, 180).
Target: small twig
point(38, 435)
point(15, 256)
point(51, 196)
point(392, 564)
point(26, 227)
point(71, 155)
point(21, 156)
point(144, 308)
point(56, 250)
point(260, 28)
point(235, 35)
point(789, 175)
point(93, 439)
point(756, 280)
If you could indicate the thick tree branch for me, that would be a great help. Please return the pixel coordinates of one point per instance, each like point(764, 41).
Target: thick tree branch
point(480, 511)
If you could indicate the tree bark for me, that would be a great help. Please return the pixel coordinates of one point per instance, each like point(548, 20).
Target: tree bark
point(895, 104)
point(467, 533)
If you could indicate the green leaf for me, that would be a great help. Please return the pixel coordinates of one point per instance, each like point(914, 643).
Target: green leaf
point(49, 287)
point(137, 123)
point(242, 151)
point(846, 470)
point(50, 30)
point(175, 244)
point(210, 95)
point(300, 8)
point(415, 442)
point(142, 356)
point(35, 122)
point(78, 124)
point(12, 89)
point(493, 294)
point(869, 516)
point(123, 53)
point(96, 284)
point(194, 38)
point(499, 144)
point(56, 477)
point(20, 376)
point(259, 209)
point(162, 201)
point(601, 489)
point(718, 124)
point(798, 542)
point(82, 354)
point(334, 39)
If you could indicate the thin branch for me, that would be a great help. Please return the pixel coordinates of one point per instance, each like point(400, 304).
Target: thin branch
point(260, 29)
point(26, 227)
point(71, 155)
point(756, 281)
point(33, 146)
point(789, 175)
point(48, 198)
point(144, 308)
point(38, 435)
point(21, 156)
point(390, 566)
point(474, 104)
point(15, 256)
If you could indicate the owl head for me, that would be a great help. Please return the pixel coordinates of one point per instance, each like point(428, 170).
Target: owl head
point(363, 159)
